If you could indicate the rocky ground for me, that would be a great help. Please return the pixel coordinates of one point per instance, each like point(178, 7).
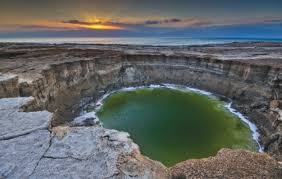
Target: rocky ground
point(29, 148)
point(43, 86)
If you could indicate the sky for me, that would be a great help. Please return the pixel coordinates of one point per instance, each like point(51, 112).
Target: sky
point(140, 17)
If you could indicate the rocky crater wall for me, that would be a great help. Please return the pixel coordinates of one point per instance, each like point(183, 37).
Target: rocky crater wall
point(252, 87)
point(64, 87)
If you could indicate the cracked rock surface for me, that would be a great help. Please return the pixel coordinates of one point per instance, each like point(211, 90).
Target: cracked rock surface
point(29, 150)
point(15, 123)
point(24, 137)
point(19, 156)
point(92, 152)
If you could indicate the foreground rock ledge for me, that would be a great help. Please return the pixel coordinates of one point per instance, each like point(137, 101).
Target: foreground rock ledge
point(95, 152)
point(229, 164)
point(58, 76)
point(29, 150)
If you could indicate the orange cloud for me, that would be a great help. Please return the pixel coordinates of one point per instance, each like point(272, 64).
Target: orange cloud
point(115, 25)
point(99, 25)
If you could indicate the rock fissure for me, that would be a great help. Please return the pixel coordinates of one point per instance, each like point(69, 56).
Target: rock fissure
point(37, 163)
point(62, 158)
point(20, 135)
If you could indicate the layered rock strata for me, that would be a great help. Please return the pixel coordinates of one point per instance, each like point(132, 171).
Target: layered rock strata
point(61, 78)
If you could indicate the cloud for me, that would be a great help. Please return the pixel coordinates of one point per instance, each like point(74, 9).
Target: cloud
point(73, 22)
point(77, 22)
point(265, 22)
point(150, 25)
point(31, 27)
point(178, 23)
point(167, 23)
point(41, 27)
point(273, 21)
point(98, 22)
point(102, 25)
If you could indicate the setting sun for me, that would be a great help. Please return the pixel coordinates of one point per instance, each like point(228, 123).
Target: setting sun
point(102, 27)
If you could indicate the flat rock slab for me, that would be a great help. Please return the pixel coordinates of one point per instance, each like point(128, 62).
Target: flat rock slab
point(19, 156)
point(24, 137)
point(14, 103)
point(15, 123)
point(93, 152)
point(28, 150)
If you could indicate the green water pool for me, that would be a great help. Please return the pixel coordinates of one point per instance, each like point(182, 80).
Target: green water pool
point(171, 125)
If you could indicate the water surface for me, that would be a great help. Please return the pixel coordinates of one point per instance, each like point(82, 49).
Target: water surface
point(170, 41)
point(170, 125)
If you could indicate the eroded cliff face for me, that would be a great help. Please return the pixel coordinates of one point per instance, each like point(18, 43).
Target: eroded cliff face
point(72, 77)
point(251, 87)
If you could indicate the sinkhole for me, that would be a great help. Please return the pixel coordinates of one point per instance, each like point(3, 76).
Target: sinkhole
point(172, 125)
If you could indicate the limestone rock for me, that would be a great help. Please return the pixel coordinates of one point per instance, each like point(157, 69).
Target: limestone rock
point(14, 103)
point(230, 164)
point(14, 123)
point(58, 76)
point(8, 86)
point(275, 104)
point(60, 131)
point(88, 119)
point(92, 152)
point(19, 156)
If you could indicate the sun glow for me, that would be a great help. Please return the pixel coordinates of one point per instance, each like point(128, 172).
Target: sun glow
point(102, 27)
